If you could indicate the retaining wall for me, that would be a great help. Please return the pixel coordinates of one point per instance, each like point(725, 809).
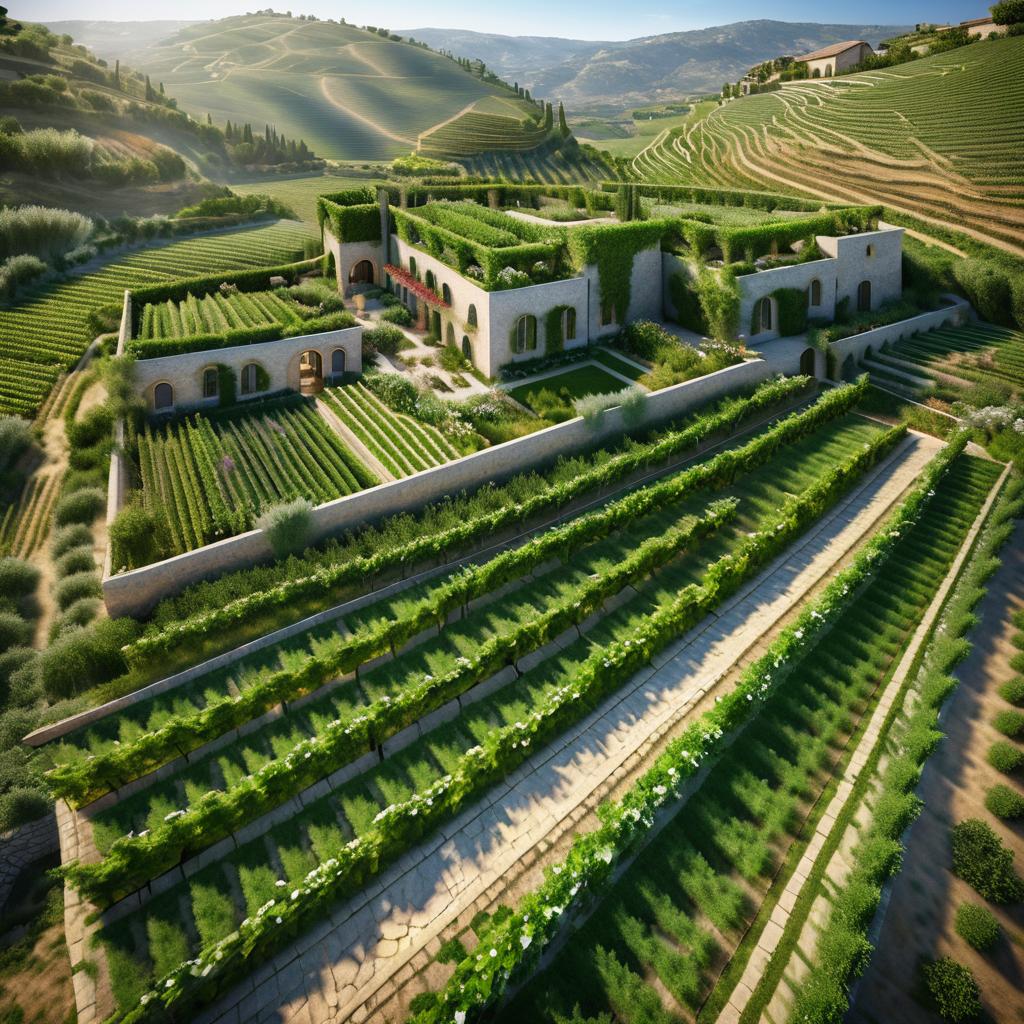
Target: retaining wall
point(136, 592)
point(949, 316)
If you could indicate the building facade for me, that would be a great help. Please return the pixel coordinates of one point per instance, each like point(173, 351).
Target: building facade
point(835, 59)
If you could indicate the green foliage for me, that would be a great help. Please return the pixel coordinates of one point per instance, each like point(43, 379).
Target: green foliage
point(719, 298)
point(69, 537)
point(14, 630)
point(250, 206)
point(135, 537)
point(977, 926)
point(288, 526)
point(15, 439)
point(686, 302)
point(1005, 757)
point(1008, 12)
point(1004, 802)
point(18, 578)
point(952, 989)
point(16, 271)
point(399, 315)
point(80, 507)
point(386, 338)
point(792, 310)
point(451, 952)
point(982, 861)
point(554, 341)
point(76, 560)
point(1012, 690)
point(77, 586)
point(81, 658)
point(1009, 723)
point(987, 286)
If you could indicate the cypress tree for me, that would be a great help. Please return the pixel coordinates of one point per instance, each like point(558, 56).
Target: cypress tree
point(117, 74)
point(549, 117)
point(563, 126)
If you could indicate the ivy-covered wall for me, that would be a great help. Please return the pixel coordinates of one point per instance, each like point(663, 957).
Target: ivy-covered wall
point(685, 300)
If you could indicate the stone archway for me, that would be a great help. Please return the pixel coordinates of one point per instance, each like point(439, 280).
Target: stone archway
point(808, 362)
point(311, 373)
point(362, 273)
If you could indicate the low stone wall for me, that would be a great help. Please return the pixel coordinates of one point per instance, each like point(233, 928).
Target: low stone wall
point(125, 331)
point(136, 592)
point(24, 846)
point(949, 316)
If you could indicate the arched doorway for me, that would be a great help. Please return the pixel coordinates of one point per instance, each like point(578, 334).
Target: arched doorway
point(449, 335)
point(807, 362)
point(814, 294)
point(338, 363)
point(163, 397)
point(311, 373)
point(361, 273)
point(467, 348)
point(864, 297)
point(828, 70)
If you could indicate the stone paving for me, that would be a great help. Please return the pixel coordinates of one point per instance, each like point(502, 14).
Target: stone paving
point(24, 846)
point(342, 969)
point(873, 734)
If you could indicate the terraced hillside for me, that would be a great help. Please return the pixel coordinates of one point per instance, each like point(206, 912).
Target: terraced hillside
point(49, 330)
point(351, 94)
point(940, 138)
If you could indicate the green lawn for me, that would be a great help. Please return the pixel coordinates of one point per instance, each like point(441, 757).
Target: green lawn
point(619, 365)
point(301, 193)
point(576, 383)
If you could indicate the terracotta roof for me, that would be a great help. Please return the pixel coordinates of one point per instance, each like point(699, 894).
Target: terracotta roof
point(976, 21)
point(834, 50)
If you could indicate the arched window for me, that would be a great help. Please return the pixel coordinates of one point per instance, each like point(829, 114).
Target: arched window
point(431, 281)
point(871, 251)
point(525, 337)
point(412, 265)
point(864, 297)
point(249, 381)
point(762, 315)
point(163, 397)
point(828, 70)
point(471, 316)
point(569, 324)
point(211, 384)
point(446, 294)
point(816, 73)
point(814, 293)
point(338, 362)
point(449, 335)
point(808, 362)
point(467, 348)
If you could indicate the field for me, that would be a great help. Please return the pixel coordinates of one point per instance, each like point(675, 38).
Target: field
point(978, 364)
point(488, 126)
point(209, 478)
point(403, 445)
point(48, 331)
point(350, 94)
point(213, 314)
point(951, 155)
point(666, 929)
point(301, 194)
point(643, 134)
point(680, 525)
point(572, 384)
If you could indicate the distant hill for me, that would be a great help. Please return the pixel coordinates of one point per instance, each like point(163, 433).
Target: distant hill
point(349, 92)
point(612, 76)
point(124, 40)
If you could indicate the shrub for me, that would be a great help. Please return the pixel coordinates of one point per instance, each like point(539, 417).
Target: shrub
point(1009, 723)
point(11, 660)
point(68, 537)
point(987, 287)
point(1004, 802)
point(18, 578)
point(981, 860)
point(15, 437)
point(977, 926)
point(84, 657)
point(1005, 757)
point(135, 537)
point(78, 613)
point(14, 630)
point(76, 586)
point(74, 561)
point(18, 270)
point(81, 507)
point(1013, 690)
point(22, 805)
point(952, 989)
point(384, 338)
point(400, 315)
point(288, 526)
point(1008, 12)
point(93, 428)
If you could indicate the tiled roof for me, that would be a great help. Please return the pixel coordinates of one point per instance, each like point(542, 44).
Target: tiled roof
point(834, 50)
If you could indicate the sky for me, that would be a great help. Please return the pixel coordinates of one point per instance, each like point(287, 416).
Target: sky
point(576, 19)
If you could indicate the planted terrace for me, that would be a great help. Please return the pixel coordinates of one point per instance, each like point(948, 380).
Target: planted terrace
point(704, 530)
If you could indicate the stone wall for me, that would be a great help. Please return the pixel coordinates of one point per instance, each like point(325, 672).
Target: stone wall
point(135, 592)
point(24, 846)
point(754, 287)
point(280, 359)
point(957, 313)
point(875, 256)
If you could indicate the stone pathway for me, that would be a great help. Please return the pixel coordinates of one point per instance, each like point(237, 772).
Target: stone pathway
point(778, 1006)
point(24, 846)
point(555, 371)
point(352, 962)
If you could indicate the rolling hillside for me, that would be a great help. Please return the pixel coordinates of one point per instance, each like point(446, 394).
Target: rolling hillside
point(352, 94)
point(612, 76)
point(940, 138)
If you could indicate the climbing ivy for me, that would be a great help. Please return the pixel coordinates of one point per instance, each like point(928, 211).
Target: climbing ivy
point(719, 298)
point(686, 303)
point(554, 341)
point(792, 307)
point(612, 250)
point(226, 388)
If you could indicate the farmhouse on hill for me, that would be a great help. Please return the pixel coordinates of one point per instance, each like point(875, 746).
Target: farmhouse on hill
point(831, 60)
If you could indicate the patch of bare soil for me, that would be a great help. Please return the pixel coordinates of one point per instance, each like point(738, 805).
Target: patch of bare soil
point(41, 987)
point(918, 922)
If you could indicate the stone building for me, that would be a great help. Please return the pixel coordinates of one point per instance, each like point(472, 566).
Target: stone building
point(833, 60)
